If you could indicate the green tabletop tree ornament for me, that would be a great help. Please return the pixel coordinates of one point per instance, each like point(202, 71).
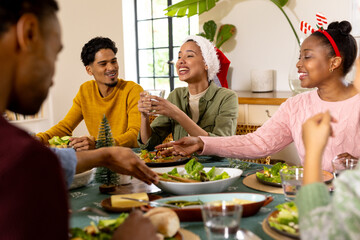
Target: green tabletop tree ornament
point(108, 178)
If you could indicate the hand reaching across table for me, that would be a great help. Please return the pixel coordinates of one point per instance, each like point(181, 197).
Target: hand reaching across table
point(184, 146)
point(118, 159)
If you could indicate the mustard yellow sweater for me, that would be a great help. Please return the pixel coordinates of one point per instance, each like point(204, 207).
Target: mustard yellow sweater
point(120, 108)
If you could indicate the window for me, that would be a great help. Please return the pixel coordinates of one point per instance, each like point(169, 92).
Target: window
point(158, 39)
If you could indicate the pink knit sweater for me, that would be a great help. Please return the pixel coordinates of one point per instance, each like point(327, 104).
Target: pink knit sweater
point(285, 127)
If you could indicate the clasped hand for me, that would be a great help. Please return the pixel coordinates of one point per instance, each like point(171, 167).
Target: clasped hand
point(82, 143)
point(153, 105)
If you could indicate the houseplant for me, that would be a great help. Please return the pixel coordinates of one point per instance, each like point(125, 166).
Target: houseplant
point(226, 31)
point(193, 7)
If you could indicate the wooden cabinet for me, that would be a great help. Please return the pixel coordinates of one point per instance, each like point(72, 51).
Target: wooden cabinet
point(257, 108)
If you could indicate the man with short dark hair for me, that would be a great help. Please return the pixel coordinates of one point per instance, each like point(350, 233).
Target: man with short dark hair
point(106, 95)
point(33, 197)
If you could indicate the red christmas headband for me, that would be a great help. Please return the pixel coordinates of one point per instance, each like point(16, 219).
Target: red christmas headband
point(321, 19)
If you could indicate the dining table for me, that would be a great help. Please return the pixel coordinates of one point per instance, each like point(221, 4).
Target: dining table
point(90, 196)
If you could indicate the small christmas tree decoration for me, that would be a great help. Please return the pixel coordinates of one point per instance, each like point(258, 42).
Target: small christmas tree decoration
point(108, 178)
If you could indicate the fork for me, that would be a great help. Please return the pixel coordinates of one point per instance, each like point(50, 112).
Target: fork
point(92, 209)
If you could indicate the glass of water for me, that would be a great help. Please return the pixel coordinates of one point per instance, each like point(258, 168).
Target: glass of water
point(155, 92)
point(341, 164)
point(221, 219)
point(291, 180)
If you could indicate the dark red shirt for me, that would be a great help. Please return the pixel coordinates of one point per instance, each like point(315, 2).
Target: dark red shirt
point(33, 196)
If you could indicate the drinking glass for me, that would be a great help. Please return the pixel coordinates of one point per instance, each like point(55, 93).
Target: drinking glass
point(341, 164)
point(155, 92)
point(291, 180)
point(221, 219)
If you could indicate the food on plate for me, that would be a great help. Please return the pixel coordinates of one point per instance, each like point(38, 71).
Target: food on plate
point(59, 142)
point(287, 219)
point(156, 157)
point(184, 203)
point(242, 201)
point(165, 220)
point(118, 201)
point(194, 171)
point(103, 230)
point(272, 174)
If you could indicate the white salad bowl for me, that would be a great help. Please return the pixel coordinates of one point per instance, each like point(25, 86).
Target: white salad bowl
point(82, 179)
point(180, 188)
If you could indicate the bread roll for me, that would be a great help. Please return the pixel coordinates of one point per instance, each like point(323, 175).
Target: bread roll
point(165, 220)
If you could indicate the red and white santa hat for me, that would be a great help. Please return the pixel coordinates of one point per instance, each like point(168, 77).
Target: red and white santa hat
point(215, 60)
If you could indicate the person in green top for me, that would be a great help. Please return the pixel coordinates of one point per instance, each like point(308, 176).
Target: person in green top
point(320, 215)
point(201, 109)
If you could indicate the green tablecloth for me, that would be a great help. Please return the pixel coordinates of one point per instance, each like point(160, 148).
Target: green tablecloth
point(90, 196)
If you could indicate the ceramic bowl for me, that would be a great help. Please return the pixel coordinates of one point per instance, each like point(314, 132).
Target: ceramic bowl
point(193, 213)
point(180, 188)
point(82, 179)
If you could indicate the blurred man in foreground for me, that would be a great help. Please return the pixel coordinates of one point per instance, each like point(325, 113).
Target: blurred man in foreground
point(33, 196)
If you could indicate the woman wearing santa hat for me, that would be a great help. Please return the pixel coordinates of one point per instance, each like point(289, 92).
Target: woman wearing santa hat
point(201, 109)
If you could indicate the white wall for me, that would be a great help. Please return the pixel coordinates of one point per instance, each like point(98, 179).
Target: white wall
point(82, 20)
point(264, 39)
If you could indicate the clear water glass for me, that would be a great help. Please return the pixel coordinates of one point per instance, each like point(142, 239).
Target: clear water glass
point(155, 92)
point(221, 219)
point(291, 181)
point(341, 164)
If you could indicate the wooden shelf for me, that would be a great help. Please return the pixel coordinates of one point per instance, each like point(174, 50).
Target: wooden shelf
point(269, 98)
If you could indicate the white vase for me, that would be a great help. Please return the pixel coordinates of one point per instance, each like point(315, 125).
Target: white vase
point(262, 80)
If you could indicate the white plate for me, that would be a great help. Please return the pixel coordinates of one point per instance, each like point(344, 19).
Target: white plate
point(82, 179)
point(201, 187)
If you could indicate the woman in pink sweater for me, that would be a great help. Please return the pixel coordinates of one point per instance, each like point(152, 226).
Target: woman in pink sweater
point(325, 58)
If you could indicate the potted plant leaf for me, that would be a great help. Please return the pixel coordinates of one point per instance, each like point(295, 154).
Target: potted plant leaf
point(193, 7)
point(225, 32)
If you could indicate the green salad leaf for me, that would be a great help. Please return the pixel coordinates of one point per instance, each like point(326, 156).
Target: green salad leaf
point(192, 167)
point(195, 171)
point(272, 174)
point(104, 230)
point(56, 140)
point(287, 219)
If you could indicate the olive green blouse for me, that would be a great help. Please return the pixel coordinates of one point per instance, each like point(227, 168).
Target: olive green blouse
point(218, 112)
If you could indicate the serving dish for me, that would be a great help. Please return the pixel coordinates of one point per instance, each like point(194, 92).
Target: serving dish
point(193, 213)
point(82, 179)
point(327, 176)
point(274, 214)
point(181, 188)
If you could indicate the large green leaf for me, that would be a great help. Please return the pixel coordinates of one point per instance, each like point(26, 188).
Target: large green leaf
point(226, 31)
point(191, 6)
point(210, 30)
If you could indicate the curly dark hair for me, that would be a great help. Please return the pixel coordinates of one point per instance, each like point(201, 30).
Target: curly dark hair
point(93, 46)
point(340, 32)
point(12, 10)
